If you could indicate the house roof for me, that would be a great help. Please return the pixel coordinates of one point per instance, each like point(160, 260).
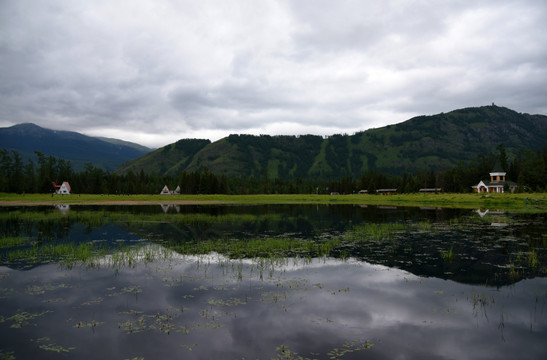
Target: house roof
point(67, 185)
point(497, 167)
point(499, 183)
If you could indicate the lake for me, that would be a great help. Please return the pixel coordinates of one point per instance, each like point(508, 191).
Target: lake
point(271, 282)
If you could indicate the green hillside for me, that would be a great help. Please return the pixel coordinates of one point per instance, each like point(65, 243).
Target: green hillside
point(434, 142)
point(170, 159)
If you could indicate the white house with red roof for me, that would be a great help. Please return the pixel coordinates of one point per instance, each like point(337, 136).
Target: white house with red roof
point(63, 189)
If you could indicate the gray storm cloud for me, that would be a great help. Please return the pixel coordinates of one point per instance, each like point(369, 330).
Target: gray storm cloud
point(154, 72)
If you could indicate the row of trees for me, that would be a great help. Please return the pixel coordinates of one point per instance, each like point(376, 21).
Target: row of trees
point(528, 169)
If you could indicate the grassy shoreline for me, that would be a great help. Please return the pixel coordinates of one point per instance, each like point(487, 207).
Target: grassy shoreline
point(528, 202)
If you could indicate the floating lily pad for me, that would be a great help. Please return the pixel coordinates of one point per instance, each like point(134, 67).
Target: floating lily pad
point(22, 318)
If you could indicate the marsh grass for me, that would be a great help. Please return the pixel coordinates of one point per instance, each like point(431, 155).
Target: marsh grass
point(14, 241)
point(68, 254)
point(100, 217)
point(448, 255)
point(424, 225)
point(268, 247)
point(533, 261)
point(92, 255)
point(381, 231)
point(481, 300)
point(32, 246)
point(526, 262)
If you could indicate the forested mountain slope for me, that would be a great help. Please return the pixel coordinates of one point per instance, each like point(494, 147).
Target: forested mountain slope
point(436, 142)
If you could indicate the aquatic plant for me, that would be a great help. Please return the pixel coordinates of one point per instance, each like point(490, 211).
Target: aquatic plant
point(336, 353)
point(481, 300)
point(49, 346)
point(424, 225)
point(41, 289)
point(515, 272)
point(447, 255)
point(533, 261)
point(14, 241)
point(102, 216)
point(376, 231)
point(9, 355)
point(228, 302)
point(68, 254)
point(258, 247)
point(22, 318)
point(349, 347)
point(88, 324)
point(525, 262)
point(161, 322)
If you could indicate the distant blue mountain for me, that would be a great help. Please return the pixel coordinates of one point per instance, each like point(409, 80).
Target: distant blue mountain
point(79, 149)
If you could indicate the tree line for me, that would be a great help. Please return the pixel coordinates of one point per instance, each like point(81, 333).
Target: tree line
point(527, 168)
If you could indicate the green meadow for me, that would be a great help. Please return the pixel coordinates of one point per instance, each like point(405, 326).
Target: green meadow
point(522, 202)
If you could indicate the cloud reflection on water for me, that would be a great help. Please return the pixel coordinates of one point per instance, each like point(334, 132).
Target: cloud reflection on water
point(311, 307)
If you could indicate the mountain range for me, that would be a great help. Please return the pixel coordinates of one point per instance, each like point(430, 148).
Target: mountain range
point(435, 142)
point(80, 149)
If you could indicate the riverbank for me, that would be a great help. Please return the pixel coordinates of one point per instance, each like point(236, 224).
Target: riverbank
point(528, 202)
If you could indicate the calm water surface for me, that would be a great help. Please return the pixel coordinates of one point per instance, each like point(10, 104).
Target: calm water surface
point(263, 282)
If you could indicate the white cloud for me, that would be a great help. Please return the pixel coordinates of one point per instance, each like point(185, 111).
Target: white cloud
point(154, 72)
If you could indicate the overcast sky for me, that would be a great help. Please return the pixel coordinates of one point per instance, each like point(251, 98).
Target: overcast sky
point(154, 72)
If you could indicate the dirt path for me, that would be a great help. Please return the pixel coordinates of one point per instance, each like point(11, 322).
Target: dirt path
point(107, 202)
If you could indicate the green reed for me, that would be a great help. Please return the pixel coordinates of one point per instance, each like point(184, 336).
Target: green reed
point(377, 231)
point(101, 217)
point(448, 255)
point(66, 253)
point(14, 241)
point(259, 247)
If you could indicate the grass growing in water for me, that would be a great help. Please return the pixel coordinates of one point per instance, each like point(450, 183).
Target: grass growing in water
point(67, 253)
point(336, 353)
point(259, 247)
point(13, 241)
point(447, 255)
point(376, 232)
point(533, 261)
